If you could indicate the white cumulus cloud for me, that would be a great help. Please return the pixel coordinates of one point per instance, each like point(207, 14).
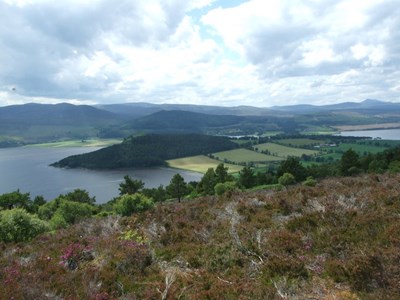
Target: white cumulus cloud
point(252, 52)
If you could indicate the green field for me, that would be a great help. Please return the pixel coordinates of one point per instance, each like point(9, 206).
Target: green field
point(284, 151)
point(384, 143)
point(244, 156)
point(239, 142)
point(199, 164)
point(270, 133)
point(80, 143)
point(335, 156)
point(300, 142)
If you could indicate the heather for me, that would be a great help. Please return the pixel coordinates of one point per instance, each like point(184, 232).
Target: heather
point(337, 238)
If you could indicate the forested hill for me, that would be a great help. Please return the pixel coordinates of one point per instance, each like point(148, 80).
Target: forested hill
point(57, 114)
point(147, 151)
point(184, 120)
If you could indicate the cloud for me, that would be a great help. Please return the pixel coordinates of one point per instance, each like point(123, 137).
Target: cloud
point(251, 52)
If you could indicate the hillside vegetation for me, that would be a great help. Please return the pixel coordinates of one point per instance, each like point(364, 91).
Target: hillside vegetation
point(337, 240)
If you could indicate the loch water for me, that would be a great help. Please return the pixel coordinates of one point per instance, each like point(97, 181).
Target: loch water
point(27, 169)
point(384, 134)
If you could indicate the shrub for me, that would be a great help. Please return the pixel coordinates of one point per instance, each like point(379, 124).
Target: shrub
point(17, 225)
point(366, 272)
point(58, 221)
point(336, 270)
point(70, 212)
point(222, 188)
point(310, 181)
point(286, 179)
point(394, 166)
point(284, 265)
point(74, 254)
point(47, 210)
point(128, 204)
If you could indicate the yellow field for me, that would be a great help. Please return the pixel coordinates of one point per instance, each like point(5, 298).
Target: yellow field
point(79, 143)
point(200, 164)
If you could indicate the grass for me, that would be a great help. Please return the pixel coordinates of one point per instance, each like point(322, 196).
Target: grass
point(79, 143)
point(245, 155)
point(200, 163)
point(284, 151)
point(335, 156)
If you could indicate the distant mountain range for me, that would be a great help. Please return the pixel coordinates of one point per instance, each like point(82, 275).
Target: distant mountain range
point(57, 114)
point(366, 105)
point(31, 123)
point(142, 109)
point(39, 123)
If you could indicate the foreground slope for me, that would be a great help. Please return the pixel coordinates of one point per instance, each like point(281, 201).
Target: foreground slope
point(338, 240)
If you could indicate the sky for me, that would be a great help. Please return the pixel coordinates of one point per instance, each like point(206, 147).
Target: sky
point(210, 52)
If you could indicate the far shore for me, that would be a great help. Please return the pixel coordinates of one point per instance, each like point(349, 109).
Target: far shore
point(367, 127)
point(78, 143)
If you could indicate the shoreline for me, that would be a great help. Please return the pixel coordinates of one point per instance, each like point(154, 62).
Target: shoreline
point(382, 126)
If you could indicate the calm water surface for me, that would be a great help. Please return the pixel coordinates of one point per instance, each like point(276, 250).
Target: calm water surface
point(28, 169)
point(385, 134)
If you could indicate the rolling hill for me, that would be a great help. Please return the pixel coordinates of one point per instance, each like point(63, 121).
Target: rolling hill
point(368, 105)
point(147, 151)
point(39, 123)
point(178, 120)
point(57, 114)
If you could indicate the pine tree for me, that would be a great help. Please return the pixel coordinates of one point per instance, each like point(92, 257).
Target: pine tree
point(177, 187)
